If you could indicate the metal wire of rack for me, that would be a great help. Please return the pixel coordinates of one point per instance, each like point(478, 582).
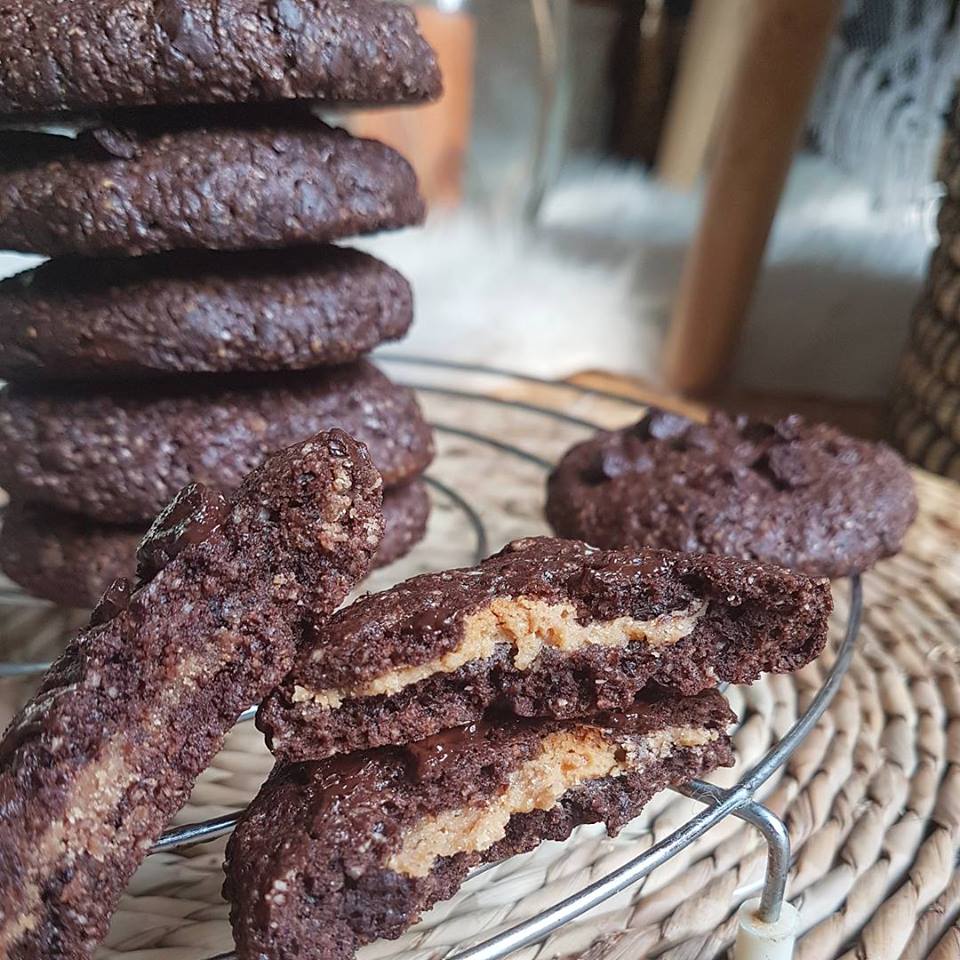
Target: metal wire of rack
point(739, 801)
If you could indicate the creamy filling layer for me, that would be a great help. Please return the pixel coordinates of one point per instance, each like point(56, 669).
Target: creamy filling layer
point(567, 759)
point(527, 625)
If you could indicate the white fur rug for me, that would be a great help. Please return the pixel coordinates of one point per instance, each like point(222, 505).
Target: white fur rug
point(593, 286)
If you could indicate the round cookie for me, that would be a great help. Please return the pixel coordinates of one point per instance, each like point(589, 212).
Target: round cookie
point(119, 453)
point(936, 341)
point(71, 560)
point(406, 511)
point(197, 312)
point(73, 54)
point(800, 495)
point(948, 164)
point(63, 557)
point(146, 189)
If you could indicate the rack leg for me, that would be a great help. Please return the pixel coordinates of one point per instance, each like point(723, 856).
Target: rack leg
point(768, 926)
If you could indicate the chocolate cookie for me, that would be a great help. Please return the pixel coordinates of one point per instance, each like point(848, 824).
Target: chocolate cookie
point(139, 190)
point(92, 769)
point(63, 557)
point(545, 628)
point(406, 511)
point(118, 453)
point(73, 54)
point(335, 854)
point(802, 495)
point(71, 560)
point(76, 318)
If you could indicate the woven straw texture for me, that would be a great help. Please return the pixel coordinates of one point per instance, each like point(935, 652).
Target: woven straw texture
point(871, 799)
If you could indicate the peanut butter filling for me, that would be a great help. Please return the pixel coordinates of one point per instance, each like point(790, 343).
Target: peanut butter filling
point(528, 626)
point(567, 759)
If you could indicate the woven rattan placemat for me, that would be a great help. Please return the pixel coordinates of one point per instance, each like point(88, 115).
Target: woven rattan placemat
point(871, 799)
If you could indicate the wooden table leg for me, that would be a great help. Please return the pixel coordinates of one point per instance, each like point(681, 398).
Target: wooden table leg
point(771, 88)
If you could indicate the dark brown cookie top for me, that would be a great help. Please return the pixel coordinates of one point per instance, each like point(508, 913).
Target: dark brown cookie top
point(805, 496)
point(198, 312)
point(93, 767)
point(119, 453)
point(421, 619)
point(148, 188)
point(74, 54)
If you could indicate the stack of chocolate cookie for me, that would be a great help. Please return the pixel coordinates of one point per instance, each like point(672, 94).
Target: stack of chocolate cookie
point(195, 316)
point(926, 403)
point(465, 716)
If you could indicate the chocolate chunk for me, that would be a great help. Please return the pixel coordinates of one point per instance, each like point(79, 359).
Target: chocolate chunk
point(190, 518)
point(115, 599)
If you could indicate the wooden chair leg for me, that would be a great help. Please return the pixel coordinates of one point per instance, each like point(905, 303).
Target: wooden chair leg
point(711, 50)
point(778, 67)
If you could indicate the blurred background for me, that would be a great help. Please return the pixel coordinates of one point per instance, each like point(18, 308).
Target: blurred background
point(570, 164)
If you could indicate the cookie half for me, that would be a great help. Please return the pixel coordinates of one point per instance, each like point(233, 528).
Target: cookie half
point(335, 854)
point(801, 495)
point(147, 189)
point(75, 54)
point(549, 628)
point(118, 453)
point(70, 560)
point(95, 765)
point(81, 319)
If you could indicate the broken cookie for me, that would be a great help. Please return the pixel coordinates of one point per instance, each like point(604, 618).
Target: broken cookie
point(92, 768)
point(337, 853)
point(547, 627)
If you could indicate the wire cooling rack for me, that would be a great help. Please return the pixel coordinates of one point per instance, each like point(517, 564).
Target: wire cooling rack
point(472, 524)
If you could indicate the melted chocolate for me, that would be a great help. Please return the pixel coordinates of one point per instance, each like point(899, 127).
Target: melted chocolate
point(190, 519)
point(429, 757)
point(115, 599)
